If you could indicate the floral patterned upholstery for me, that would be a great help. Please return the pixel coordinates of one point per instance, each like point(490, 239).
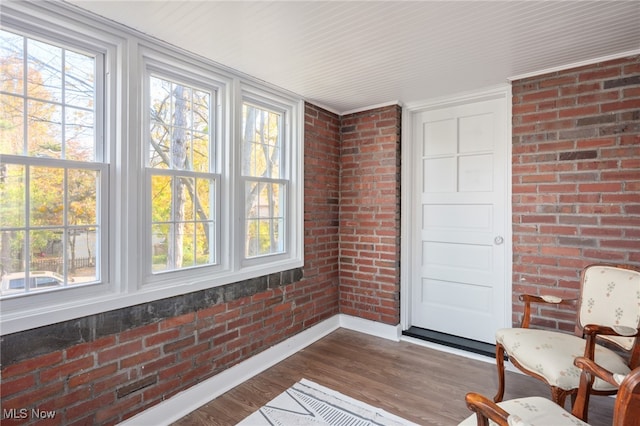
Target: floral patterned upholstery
point(532, 411)
point(550, 354)
point(611, 296)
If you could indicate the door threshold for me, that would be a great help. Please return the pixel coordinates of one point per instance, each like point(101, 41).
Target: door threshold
point(452, 341)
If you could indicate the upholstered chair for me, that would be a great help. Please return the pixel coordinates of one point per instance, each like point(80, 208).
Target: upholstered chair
point(608, 310)
point(538, 411)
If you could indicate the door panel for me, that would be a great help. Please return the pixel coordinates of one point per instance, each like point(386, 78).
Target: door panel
point(458, 287)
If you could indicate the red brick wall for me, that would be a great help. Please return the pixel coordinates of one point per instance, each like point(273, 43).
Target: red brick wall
point(576, 178)
point(370, 215)
point(114, 377)
point(321, 193)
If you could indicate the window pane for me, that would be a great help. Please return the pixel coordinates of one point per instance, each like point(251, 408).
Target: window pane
point(44, 129)
point(261, 154)
point(46, 186)
point(82, 247)
point(205, 201)
point(160, 141)
point(12, 128)
point(82, 196)
point(200, 152)
point(13, 196)
point(12, 62)
point(182, 212)
point(160, 198)
point(189, 205)
point(160, 244)
point(201, 110)
point(47, 250)
point(79, 134)
point(264, 219)
point(204, 250)
point(188, 244)
point(179, 126)
point(12, 255)
point(79, 81)
point(44, 76)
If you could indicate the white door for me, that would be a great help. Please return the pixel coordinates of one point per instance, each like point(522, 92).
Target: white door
point(460, 194)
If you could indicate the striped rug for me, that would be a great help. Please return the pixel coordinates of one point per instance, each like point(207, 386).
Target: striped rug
point(307, 403)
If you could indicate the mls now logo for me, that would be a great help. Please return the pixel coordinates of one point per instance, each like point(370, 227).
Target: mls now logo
point(23, 413)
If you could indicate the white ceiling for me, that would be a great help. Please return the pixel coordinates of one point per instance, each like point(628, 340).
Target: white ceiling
point(351, 55)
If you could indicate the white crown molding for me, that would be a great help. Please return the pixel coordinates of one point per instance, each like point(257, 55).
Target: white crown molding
point(575, 65)
point(370, 107)
point(490, 92)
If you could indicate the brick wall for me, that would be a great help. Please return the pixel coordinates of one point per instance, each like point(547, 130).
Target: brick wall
point(370, 215)
point(576, 178)
point(111, 366)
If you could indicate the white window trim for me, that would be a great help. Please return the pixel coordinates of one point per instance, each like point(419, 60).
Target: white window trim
point(126, 52)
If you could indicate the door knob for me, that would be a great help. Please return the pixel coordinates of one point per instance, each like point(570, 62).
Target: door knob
point(498, 240)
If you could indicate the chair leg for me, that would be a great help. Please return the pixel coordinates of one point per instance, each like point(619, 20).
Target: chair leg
point(580, 399)
point(500, 364)
point(558, 395)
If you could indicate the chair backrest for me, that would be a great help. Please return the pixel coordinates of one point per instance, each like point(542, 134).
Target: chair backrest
point(610, 296)
point(626, 411)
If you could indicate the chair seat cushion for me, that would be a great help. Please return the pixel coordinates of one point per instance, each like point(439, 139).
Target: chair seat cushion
point(550, 354)
point(534, 411)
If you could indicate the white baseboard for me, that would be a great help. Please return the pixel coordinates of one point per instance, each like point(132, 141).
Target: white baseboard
point(390, 332)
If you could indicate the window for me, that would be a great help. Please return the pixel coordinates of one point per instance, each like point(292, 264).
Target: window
point(52, 174)
point(182, 185)
point(265, 185)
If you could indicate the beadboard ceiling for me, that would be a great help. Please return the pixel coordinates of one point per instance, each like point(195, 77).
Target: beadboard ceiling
point(351, 55)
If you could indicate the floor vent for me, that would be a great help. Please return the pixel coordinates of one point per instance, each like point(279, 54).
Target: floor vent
point(457, 342)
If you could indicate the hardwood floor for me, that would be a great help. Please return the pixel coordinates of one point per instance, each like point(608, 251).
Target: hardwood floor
point(419, 384)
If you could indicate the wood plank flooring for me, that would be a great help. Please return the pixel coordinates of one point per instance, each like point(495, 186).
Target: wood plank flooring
point(420, 384)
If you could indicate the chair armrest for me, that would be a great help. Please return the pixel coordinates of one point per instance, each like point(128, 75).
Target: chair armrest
point(486, 409)
point(588, 365)
point(611, 331)
point(528, 299)
point(591, 331)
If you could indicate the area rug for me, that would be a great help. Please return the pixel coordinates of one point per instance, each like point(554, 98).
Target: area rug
point(308, 403)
